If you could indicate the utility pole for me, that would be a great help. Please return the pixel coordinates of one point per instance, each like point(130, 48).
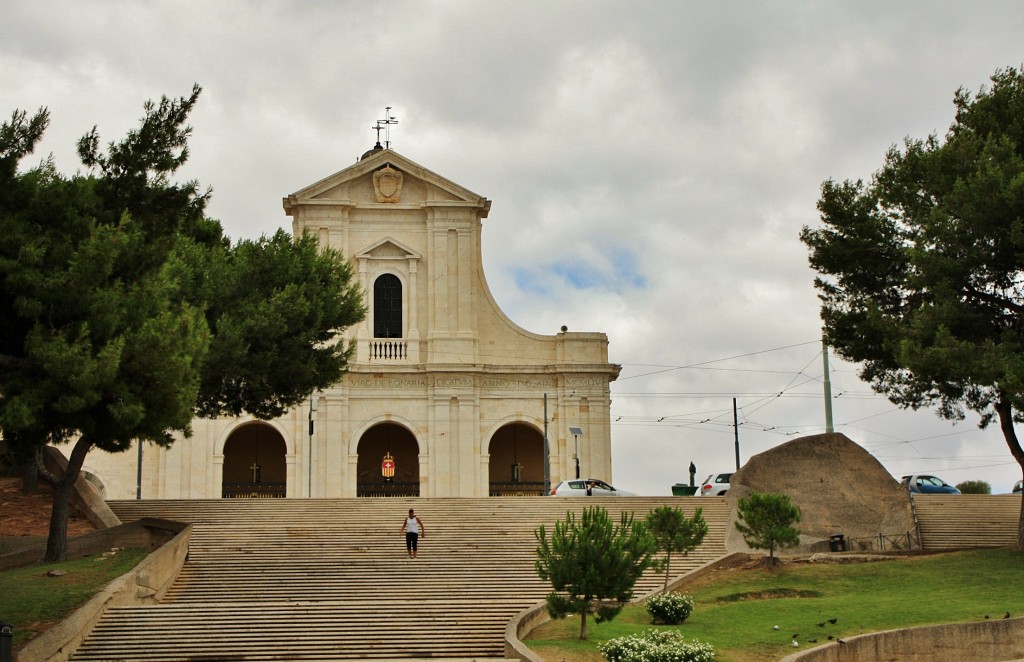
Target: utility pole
point(736, 432)
point(828, 386)
point(312, 417)
point(138, 473)
point(547, 456)
point(576, 432)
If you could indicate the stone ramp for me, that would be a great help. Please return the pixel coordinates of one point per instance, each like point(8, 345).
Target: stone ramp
point(961, 521)
point(328, 579)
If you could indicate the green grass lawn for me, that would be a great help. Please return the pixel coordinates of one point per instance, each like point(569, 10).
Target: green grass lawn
point(32, 602)
point(737, 608)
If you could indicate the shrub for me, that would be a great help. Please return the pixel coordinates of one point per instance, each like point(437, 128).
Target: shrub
point(974, 487)
point(669, 608)
point(656, 646)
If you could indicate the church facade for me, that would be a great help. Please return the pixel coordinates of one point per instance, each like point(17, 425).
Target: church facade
point(445, 396)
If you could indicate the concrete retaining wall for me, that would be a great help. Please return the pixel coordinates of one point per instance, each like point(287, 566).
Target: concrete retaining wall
point(983, 641)
point(521, 626)
point(145, 584)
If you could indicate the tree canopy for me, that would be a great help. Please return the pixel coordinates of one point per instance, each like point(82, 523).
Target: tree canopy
point(127, 311)
point(592, 563)
point(922, 267)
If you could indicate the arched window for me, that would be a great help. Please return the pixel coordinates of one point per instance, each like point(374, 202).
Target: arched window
point(387, 307)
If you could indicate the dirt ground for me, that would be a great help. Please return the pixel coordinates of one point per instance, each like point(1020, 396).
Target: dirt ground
point(22, 515)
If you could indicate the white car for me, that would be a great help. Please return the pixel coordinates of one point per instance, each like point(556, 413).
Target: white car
point(583, 487)
point(715, 485)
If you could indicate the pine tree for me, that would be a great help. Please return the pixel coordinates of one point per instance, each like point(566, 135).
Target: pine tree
point(767, 522)
point(127, 311)
point(593, 564)
point(675, 532)
point(921, 267)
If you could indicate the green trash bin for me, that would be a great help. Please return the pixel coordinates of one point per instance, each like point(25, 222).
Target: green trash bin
point(680, 489)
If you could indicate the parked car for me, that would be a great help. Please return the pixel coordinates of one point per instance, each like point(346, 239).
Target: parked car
point(583, 487)
point(1018, 486)
point(924, 484)
point(715, 485)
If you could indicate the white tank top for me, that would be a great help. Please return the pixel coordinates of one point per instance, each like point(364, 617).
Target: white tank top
point(412, 525)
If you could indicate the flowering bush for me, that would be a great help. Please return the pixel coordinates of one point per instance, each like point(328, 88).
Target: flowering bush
point(669, 608)
point(656, 646)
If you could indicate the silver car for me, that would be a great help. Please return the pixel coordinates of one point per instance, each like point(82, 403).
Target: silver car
point(583, 487)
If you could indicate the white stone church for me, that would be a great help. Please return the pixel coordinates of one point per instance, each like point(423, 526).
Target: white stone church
point(446, 396)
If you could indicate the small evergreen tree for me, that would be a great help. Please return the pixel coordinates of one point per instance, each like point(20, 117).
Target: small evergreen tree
point(593, 564)
point(675, 532)
point(974, 487)
point(767, 522)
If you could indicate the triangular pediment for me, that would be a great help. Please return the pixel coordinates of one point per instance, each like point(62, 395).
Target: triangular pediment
point(388, 249)
point(404, 182)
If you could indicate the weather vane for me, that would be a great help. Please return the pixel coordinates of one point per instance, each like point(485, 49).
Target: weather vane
point(384, 125)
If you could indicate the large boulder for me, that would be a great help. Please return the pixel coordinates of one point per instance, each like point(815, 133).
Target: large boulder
point(838, 486)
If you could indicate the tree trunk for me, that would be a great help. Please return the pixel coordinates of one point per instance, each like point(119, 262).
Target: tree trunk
point(30, 475)
point(583, 625)
point(668, 566)
point(1005, 411)
point(57, 541)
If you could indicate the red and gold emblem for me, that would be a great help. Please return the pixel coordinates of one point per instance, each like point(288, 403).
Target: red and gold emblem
point(387, 466)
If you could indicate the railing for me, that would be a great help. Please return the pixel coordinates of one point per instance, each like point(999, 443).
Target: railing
point(388, 489)
point(517, 489)
point(884, 542)
point(253, 490)
point(388, 350)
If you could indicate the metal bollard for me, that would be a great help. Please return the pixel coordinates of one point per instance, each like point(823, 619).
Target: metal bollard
point(6, 642)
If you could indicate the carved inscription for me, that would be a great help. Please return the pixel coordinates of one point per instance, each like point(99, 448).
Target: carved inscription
point(393, 382)
point(577, 382)
point(453, 382)
point(517, 382)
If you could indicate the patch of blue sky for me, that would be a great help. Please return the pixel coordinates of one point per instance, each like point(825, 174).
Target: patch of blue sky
point(621, 273)
point(532, 281)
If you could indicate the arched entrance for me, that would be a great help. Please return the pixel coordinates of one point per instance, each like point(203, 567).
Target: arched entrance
point(392, 445)
point(516, 465)
point(254, 463)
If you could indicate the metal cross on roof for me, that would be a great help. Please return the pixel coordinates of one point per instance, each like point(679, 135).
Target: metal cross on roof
point(384, 125)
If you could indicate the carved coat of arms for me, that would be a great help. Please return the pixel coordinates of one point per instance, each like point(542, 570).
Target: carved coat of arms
point(387, 184)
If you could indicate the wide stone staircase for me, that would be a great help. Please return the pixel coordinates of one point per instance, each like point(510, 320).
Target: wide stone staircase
point(960, 521)
point(329, 579)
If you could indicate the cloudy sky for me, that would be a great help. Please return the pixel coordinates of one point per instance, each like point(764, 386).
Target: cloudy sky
point(650, 166)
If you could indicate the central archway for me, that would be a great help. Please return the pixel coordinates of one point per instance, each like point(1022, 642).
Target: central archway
point(388, 443)
point(516, 465)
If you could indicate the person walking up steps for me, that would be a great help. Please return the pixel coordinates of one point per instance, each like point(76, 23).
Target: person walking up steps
point(413, 529)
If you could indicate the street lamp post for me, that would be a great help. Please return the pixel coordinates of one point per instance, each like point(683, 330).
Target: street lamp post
point(576, 432)
point(312, 412)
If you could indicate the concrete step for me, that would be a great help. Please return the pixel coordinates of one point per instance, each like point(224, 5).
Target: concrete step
point(958, 521)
